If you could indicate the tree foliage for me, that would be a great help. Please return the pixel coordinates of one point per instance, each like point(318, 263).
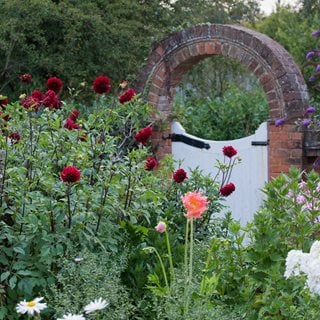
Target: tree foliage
point(292, 28)
point(76, 40)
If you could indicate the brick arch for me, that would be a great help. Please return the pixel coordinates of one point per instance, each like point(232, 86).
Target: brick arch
point(280, 78)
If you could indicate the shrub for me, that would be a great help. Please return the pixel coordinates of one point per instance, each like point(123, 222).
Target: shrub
point(233, 115)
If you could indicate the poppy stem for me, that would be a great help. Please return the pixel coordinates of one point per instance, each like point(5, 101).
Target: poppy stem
point(69, 206)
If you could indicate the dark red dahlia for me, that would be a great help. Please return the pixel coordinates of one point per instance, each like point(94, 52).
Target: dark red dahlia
point(227, 189)
point(229, 151)
point(70, 174)
point(50, 100)
point(54, 84)
point(25, 78)
point(101, 85)
point(70, 125)
point(14, 137)
point(143, 135)
point(31, 104)
point(127, 96)
point(150, 163)
point(74, 114)
point(37, 94)
point(179, 175)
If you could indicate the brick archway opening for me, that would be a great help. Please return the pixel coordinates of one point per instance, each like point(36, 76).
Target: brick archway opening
point(272, 65)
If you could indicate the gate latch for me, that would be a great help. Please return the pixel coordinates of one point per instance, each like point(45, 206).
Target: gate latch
point(259, 143)
point(177, 137)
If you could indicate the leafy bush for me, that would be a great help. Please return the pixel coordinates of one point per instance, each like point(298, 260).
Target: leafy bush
point(233, 115)
point(286, 221)
point(44, 219)
point(88, 276)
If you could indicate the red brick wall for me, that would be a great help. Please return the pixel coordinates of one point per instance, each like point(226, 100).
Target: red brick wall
point(275, 69)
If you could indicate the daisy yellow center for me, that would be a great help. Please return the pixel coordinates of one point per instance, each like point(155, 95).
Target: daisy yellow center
point(31, 303)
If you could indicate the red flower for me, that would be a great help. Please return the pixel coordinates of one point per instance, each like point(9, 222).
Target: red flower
point(229, 151)
point(150, 163)
point(101, 85)
point(37, 94)
point(31, 104)
point(70, 125)
point(70, 174)
point(74, 114)
point(143, 135)
point(227, 189)
point(54, 84)
point(127, 96)
point(14, 137)
point(50, 100)
point(25, 78)
point(179, 176)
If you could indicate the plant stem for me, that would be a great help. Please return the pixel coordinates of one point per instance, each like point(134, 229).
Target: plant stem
point(170, 257)
point(186, 287)
point(4, 171)
point(162, 268)
point(129, 186)
point(203, 281)
point(103, 202)
point(69, 205)
point(31, 147)
point(186, 249)
point(191, 251)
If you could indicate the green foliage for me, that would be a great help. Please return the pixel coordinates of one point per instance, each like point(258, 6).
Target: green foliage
point(227, 11)
point(284, 223)
point(97, 275)
point(233, 115)
point(43, 219)
point(292, 29)
point(241, 270)
point(77, 40)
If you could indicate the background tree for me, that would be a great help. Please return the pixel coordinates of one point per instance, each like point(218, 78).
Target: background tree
point(292, 26)
point(76, 40)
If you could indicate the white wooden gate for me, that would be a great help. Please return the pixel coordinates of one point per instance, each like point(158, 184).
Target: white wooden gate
point(249, 176)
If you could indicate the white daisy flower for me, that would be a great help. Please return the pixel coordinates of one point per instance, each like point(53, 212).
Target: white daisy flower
point(95, 305)
point(31, 307)
point(72, 317)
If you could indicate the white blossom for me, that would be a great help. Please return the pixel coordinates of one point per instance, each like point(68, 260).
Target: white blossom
point(298, 262)
point(31, 307)
point(96, 305)
point(70, 316)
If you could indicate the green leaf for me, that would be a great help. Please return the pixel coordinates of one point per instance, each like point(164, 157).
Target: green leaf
point(3, 312)
point(4, 276)
point(19, 250)
point(13, 282)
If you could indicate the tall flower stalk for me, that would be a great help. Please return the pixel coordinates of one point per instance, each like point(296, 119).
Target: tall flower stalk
point(70, 175)
point(195, 205)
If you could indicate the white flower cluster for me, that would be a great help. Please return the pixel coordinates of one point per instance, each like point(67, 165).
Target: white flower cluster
point(35, 307)
point(298, 262)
